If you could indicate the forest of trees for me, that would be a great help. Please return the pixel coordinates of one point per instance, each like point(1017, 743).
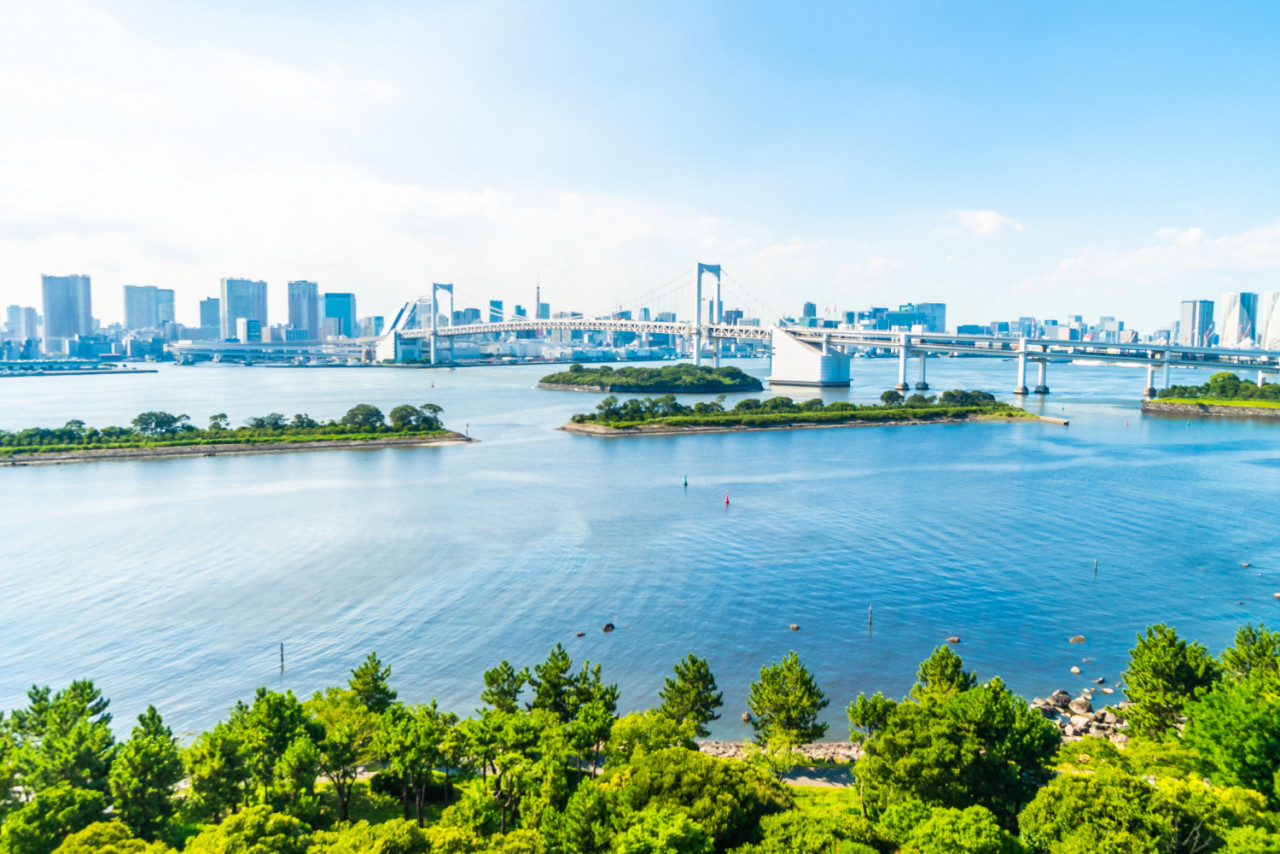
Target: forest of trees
point(783, 410)
point(682, 377)
point(1223, 386)
point(165, 428)
point(546, 765)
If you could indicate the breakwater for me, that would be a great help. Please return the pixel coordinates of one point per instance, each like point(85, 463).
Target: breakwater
point(1229, 410)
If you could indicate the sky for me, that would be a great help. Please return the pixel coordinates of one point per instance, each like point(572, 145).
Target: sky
point(1007, 159)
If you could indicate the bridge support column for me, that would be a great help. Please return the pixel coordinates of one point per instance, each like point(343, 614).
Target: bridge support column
point(1168, 357)
point(1150, 390)
point(1261, 381)
point(1041, 384)
point(921, 383)
point(1021, 388)
point(903, 353)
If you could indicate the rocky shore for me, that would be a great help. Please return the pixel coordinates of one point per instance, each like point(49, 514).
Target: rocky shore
point(1171, 408)
point(1075, 717)
point(231, 449)
point(591, 429)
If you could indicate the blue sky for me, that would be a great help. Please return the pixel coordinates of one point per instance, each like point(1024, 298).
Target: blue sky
point(1007, 159)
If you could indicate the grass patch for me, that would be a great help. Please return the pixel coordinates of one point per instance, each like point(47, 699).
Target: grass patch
point(825, 800)
point(1209, 401)
point(231, 440)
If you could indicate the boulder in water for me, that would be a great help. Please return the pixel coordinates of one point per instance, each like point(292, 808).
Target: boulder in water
point(1078, 639)
point(606, 628)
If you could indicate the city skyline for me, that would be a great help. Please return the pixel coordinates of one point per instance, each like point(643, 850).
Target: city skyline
point(1059, 162)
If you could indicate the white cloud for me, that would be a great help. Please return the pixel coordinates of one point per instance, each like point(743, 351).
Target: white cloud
point(981, 223)
point(1179, 253)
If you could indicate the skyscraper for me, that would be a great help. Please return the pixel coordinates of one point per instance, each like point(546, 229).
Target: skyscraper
point(495, 311)
point(1196, 324)
point(68, 309)
point(810, 310)
point(1267, 328)
point(245, 298)
point(165, 312)
point(1235, 319)
point(304, 307)
point(210, 313)
point(342, 308)
point(140, 310)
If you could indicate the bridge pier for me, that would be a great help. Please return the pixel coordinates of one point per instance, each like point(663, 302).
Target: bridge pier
point(1150, 390)
point(1021, 387)
point(1041, 384)
point(1261, 380)
point(902, 364)
point(921, 384)
point(1168, 357)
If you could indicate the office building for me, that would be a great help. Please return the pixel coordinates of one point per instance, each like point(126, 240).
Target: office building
point(165, 309)
point(22, 323)
point(140, 311)
point(248, 330)
point(242, 299)
point(1267, 328)
point(342, 308)
point(495, 311)
point(304, 308)
point(210, 313)
point(544, 311)
point(810, 310)
point(1235, 318)
point(1196, 324)
point(68, 310)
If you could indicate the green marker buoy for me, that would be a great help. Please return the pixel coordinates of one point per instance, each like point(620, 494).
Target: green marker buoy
point(686, 481)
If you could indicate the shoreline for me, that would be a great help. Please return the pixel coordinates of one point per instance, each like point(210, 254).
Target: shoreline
point(600, 389)
point(601, 431)
point(1231, 410)
point(228, 450)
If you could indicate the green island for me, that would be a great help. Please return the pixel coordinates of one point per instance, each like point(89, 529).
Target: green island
point(665, 414)
point(1189, 762)
point(1224, 394)
point(163, 434)
point(682, 378)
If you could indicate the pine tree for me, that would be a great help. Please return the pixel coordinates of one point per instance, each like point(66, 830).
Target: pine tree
point(502, 687)
point(692, 695)
point(554, 685)
point(1165, 672)
point(785, 702)
point(369, 682)
point(144, 775)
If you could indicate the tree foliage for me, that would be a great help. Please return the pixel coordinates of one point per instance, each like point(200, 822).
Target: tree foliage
point(785, 702)
point(692, 696)
point(1165, 672)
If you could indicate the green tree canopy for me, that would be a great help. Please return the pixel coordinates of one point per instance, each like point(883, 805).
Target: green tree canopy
point(363, 416)
point(145, 773)
point(1256, 650)
point(941, 675)
point(256, 830)
point(692, 696)
point(369, 684)
point(502, 687)
point(1165, 672)
point(40, 825)
point(785, 702)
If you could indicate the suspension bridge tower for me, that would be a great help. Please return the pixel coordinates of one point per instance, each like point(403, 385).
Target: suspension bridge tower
point(716, 314)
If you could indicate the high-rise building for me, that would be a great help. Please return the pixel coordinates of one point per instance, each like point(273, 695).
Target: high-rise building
point(342, 308)
point(21, 323)
point(140, 307)
point(1235, 319)
point(1196, 324)
point(495, 311)
point(248, 329)
point(810, 310)
point(304, 308)
point(210, 313)
point(544, 311)
point(165, 311)
point(242, 298)
point(68, 309)
point(1267, 328)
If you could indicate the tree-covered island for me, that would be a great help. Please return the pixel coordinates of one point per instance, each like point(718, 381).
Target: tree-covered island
point(682, 378)
point(550, 764)
point(1224, 394)
point(166, 434)
point(666, 414)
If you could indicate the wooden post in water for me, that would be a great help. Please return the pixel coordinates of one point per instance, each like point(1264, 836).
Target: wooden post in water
point(869, 615)
point(282, 656)
point(1095, 567)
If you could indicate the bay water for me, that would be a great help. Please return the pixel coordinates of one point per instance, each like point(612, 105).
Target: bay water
point(174, 582)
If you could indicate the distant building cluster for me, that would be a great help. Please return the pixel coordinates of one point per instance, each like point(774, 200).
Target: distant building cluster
point(64, 325)
point(66, 328)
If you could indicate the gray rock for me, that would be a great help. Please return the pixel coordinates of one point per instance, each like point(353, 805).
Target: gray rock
point(1075, 670)
point(1081, 705)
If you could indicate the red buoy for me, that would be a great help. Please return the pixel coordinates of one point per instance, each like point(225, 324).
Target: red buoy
point(726, 496)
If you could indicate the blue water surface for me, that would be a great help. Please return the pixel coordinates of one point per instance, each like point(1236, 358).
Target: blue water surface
point(174, 582)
